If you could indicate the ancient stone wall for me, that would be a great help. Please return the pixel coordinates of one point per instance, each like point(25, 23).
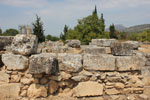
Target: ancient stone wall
point(104, 70)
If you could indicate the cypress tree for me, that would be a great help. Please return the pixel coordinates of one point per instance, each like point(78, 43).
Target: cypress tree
point(38, 29)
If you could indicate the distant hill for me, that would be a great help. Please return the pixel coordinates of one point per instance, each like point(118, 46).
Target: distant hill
point(136, 28)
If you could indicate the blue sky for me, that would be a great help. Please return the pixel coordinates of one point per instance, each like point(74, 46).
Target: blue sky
point(56, 13)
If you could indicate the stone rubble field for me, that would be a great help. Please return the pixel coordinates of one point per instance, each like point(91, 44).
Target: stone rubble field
point(106, 69)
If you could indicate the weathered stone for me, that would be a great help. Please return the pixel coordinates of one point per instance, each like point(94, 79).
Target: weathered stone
point(26, 81)
point(36, 90)
point(107, 50)
point(89, 88)
point(102, 42)
point(85, 73)
point(122, 49)
point(147, 55)
point(53, 86)
point(119, 85)
point(135, 44)
point(126, 63)
point(64, 76)
point(24, 44)
point(112, 91)
point(94, 50)
point(99, 62)
point(4, 78)
point(70, 62)
point(43, 80)
point(73, 43)
point(10, 90)
point(15, 62)
point(43, 63)
point(5, 41)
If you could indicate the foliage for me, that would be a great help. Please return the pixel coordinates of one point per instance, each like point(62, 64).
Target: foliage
point(38, 29)
point(52, 38)
point(112, 31)
point(10, 32)
point(88, 28)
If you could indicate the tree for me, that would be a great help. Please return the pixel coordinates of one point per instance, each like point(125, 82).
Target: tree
point(38, 29)
point(88, 28)
point(112, 31)
point(10, 32)
point(52, 38)
point(64, 34)
point(0, 31)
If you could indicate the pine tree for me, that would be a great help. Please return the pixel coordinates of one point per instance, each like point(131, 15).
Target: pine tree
point(0, 31)
point(38, 29)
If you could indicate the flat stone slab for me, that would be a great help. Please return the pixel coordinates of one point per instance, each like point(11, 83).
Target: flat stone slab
point(89, 88)
point(43, 63)
point(102, 42)
point(15, 62)
point(100, 62)
point(95, 50)
point(70, 62)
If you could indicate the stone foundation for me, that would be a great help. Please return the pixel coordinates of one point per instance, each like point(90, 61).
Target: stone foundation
point(76, 73)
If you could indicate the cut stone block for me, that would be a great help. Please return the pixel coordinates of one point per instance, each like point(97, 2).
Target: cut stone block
point(70, 62)
point(99, 62)
point(15, 62)
point(43, 63)
point(24, 44)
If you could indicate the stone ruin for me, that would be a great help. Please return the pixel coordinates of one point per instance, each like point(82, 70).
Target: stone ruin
point(104, 70)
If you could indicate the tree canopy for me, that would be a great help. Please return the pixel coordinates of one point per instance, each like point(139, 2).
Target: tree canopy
point(87, 28)
point(10, 32)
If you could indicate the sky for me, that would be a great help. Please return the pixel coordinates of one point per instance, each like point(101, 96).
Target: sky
point(56, 13)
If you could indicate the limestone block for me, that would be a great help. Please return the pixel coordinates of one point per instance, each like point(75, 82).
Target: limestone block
point(99, 62)
point(102, 42)
point(24, 44)
point(122, 49)
point(15, 62)
point(70, 62)
point(94, 50)
point(127, 63)
point(43, 63)
point(36, 90)
point(88, 88)
point(112, 91)
point(73, 43)
point(10, 90)
point(135, 44)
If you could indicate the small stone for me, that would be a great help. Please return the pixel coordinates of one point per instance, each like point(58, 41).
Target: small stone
point(119, 85)
point(112, 91)
point(65, 76)
point(43, 80)
point(36, 90)
point(79, 78)
point(15, 78)
point(27, 81)
point(143, 97)
point(53, 87)
point(24, 93)
point(38, 75)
